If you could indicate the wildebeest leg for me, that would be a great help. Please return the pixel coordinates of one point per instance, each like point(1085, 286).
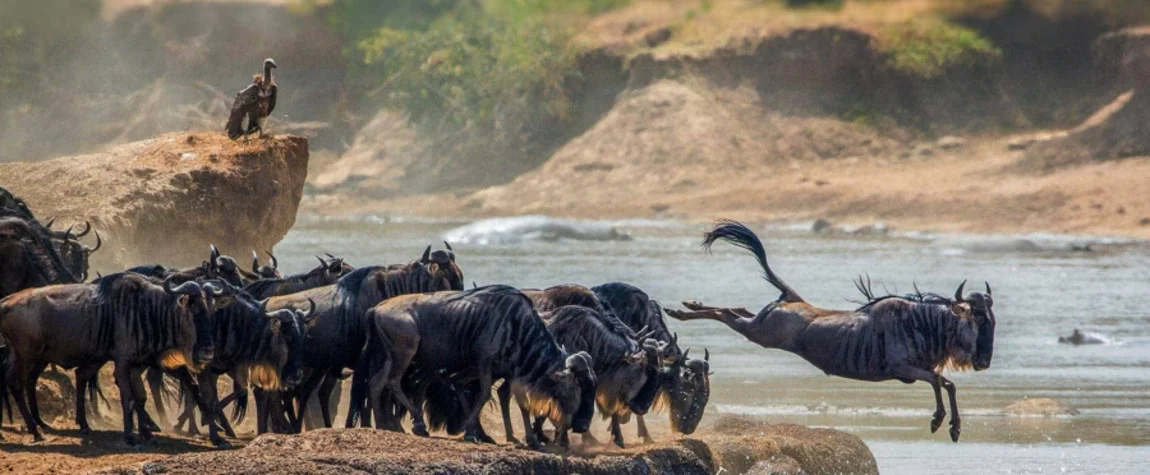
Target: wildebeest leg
point(357, 406)
point(529, 434)
point(588, 439)
point(24, 378)
point(505, 407)
point(207, 382)
point(729, 317)
point(616, 431)
point(304, 393)
point(85, 375)
point(646, 436)
point(955, 420)
point(123, 374)
point(481, 398)
point(188, 414)
point(698, 306)
point(33, 403)
point(156, 385)
point(325, 391)
point(908, 374)
point(461, 396)
point(140, 397)
point(537, 428)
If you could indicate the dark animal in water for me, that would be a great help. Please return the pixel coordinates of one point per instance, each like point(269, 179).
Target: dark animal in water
point(912, 338)
point(480, 335)
point(627, 372)
point(28, 258)
point(123, 318)
point(337, 339)
point(327, 273)
point(255, 102)
point(685, 384)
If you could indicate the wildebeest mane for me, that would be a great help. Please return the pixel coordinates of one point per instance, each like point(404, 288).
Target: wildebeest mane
point(151, 318)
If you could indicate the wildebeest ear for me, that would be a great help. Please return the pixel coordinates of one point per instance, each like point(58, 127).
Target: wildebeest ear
point(183, 300)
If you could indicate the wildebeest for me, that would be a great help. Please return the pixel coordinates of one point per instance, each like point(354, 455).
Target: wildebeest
point(910, 338)
point(252, 345)
point(123, 318)
point(338, 337)
point(627, 370)
point(28, 258)
point(484, 335)
point(685, 384)
point(327, 273)
point(556, 296)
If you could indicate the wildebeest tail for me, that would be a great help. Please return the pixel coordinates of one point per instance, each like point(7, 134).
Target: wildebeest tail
point(95, 395)
point(241, 409)
point(4, 402)
point(741, 236)
point(444, 412)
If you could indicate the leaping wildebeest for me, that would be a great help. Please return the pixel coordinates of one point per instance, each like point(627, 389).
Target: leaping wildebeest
point(912, 338)
point(123, 318)
point(480, 335)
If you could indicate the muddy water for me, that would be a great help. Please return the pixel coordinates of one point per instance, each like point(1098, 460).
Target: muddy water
point(1039, 293)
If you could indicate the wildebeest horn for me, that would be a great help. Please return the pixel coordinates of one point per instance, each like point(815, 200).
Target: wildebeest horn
point(706, 355)
point(685, 352)
point(188, 288)
point(988, 292)
point(311, 308)
point(329, 256)
point(474, 285)
point(958, 293)
point(276, 262)
point(99, 243)
point(68, 232)
point(426, 255)
point(215, 253)
point(255, 262)
point(321, 261)
point(674, 338)
point(264, 305)
point(51, 220)
point(87, 229)
point(216, 288)
point(448, 246)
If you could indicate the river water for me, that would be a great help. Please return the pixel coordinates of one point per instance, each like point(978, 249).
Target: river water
point(1040, 293)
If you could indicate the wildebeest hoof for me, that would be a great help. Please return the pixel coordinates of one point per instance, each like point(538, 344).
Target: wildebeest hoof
point(694, 304)
point(37, 438)
point(152, 426)
point(619, 443)
point(223, 445)
point(421, 431)
point(130, 441)
point(486, 439)
point(936, 422)
point(648, 440)
point(513, 440)
point(471, 438)
point(955, 431)
point(534, 445)
point(85, 431)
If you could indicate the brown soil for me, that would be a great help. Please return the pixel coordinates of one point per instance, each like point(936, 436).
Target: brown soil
point(191, 190)
point(689, 150)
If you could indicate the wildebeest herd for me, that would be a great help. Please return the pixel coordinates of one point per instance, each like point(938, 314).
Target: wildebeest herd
point(417, 345)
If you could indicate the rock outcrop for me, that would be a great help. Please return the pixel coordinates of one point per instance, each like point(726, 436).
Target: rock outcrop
point(735, 447)
point(164, 200)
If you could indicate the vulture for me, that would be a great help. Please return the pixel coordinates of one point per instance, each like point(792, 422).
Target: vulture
point(256, 101)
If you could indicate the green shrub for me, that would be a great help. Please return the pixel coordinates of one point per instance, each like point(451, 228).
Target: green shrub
point(928, 49)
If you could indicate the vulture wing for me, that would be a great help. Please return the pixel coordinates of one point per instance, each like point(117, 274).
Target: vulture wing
point(245, 101)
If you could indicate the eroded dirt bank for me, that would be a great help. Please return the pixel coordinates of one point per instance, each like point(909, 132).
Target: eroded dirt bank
point(732, 447)
point(164, 200)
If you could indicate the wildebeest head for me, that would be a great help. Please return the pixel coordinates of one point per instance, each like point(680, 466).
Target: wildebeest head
point(983, 314)
point(286, 337)
point(687, 390)
point(441, 265)
point(270, 271)
point(75, 254)
point(195, 302)
point(578, 384)
point(224, 268)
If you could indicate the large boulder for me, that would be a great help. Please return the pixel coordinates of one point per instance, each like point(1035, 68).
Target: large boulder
point(164, 200)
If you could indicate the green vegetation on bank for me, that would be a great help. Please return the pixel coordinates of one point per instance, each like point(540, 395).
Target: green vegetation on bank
point(928, 49)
